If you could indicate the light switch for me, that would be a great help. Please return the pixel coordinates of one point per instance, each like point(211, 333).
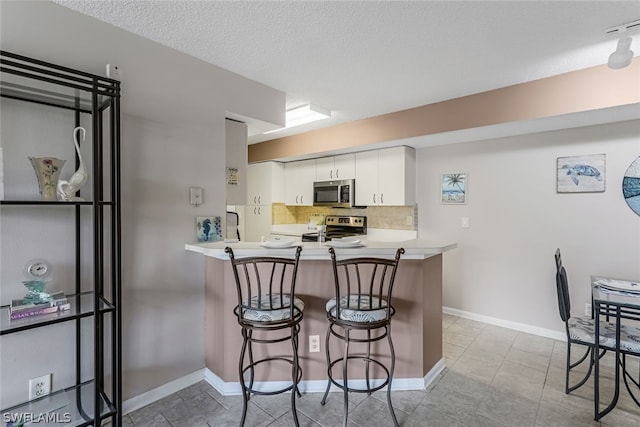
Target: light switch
point(464, 222)
point(195, 196)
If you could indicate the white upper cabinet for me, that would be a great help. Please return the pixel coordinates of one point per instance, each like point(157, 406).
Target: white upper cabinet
point(265, 183)
point(337, 167)
point(367, 178)
point(386, 177)
point(298, 182)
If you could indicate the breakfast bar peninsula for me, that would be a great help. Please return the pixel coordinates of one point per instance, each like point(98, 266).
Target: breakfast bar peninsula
point(417, 323)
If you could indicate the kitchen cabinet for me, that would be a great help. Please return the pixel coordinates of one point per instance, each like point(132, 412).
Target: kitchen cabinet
point(265, 183)
point(385, 177)
point(265, 186)
point(258, 223)
point(336, 167)
point(298, 182)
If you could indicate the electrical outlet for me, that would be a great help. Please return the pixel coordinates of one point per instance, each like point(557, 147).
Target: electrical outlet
point(314, 343)
point(40, 386)
point(409, 219)
point(587, 309)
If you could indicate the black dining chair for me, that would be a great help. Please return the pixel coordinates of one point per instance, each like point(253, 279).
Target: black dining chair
point(267, 306)
point(361, 312)
point(581, 331)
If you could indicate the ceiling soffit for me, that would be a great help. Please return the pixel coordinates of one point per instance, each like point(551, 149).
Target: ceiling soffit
point(592, 89)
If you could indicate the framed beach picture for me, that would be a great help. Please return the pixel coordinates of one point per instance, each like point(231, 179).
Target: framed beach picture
point(208, 229)
point(454, 188)
point(581, 174)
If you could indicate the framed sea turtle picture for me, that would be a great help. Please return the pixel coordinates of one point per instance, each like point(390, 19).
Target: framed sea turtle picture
point(581, 174)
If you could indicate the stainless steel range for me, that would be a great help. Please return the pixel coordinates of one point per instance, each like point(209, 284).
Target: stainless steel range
point(338, 226)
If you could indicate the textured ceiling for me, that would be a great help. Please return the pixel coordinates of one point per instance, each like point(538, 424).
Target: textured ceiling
point(362, 58)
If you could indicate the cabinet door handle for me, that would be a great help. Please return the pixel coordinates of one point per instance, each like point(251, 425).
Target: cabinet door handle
point(258, 199)
point(374, 197)
point(331, 174)
point(381, 198)
point(337, 173)
point(297, 199)
point(301, 199)
point(254, 200)
point(254, 210)
point(259, 210)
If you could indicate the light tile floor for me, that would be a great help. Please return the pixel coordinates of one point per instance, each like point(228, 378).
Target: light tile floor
point(494, 377)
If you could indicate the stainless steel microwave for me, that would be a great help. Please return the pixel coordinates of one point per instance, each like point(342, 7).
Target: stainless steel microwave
point(339, 193)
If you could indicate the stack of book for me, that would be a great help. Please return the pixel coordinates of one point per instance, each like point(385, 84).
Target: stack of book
point(19, 309)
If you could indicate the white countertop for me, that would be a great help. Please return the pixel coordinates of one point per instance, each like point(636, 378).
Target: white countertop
point(414, 249)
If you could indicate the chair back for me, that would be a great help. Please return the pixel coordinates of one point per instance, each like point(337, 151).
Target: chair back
point(365, 283)
point(562, 287)
point(265, 282)
point(558, 259)
point(233, 221)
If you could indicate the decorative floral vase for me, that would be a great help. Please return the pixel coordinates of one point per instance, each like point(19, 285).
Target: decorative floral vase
point(47, 171)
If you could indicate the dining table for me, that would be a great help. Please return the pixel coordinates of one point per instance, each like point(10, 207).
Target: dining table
point(616, 301)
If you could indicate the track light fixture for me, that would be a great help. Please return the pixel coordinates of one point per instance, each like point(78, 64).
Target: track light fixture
point(623, 54)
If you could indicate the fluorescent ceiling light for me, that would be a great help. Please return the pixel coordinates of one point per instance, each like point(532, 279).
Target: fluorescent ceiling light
point(305, 114)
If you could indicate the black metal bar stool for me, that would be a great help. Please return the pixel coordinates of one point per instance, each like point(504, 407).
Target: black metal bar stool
point(267, 305)
point(362, 305)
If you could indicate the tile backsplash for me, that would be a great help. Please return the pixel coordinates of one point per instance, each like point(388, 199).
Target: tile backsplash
point(387, 217)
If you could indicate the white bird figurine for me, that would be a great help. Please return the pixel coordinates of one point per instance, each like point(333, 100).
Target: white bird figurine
point(67, 189)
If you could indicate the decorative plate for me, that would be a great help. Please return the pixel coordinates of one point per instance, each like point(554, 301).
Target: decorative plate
point(350, 243)
point(278, 243)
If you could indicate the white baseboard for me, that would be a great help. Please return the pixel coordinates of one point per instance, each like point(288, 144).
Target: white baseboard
point(434, 372)
point(232, 388)
point(164, 390)
point(522, 327)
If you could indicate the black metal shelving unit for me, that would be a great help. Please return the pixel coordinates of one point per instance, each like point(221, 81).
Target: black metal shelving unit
point(96, 299)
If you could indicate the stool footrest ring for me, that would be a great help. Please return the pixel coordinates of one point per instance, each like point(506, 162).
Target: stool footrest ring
point(359, 390)
point(250, 390)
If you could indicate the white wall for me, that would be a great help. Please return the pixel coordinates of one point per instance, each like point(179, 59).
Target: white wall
point(163, 286)
point(503, 266)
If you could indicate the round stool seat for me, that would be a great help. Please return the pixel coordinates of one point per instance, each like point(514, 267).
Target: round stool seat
point(359, 308)
point(270, 308)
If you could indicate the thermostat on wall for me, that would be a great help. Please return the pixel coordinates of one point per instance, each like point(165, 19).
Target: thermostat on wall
point(195, 196)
